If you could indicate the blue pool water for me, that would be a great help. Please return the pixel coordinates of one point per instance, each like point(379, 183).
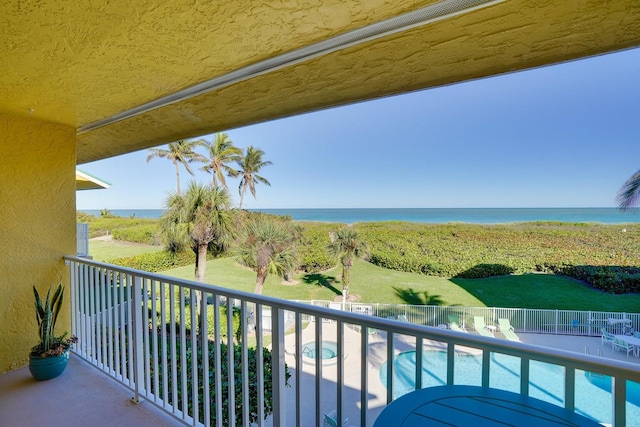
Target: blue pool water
point(593, 392)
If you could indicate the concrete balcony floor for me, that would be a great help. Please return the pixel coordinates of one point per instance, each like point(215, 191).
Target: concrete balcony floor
point(82, 396)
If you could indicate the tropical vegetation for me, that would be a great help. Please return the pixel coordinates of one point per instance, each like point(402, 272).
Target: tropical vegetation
point(267, 245)
point(198, 220)
point(221, 152)
point(629, 194)
point(250, 165)
point(180, 152)
point(346, 245)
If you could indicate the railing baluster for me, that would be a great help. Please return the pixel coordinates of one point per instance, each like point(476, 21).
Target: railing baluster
point(619, 398)
point(138, 339)
point(231, 399)
point(245, 364)
point(154, 330)
point(277, 368)
point(193, 317)
point(103, 319)
point(183, 355)
point(260, 363)
point(298, 356)
point(570, 388)
point(204, 343)
point(340, 367)
point(318, 366)
point(390, 357)
point(174, 351)
point(364, 380)
point(486, 367)
point(524, 376)
point(113, 337)
point(164, 345)
point(218, 359)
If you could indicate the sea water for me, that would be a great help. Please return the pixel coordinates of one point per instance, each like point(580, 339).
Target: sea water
point(432, 215)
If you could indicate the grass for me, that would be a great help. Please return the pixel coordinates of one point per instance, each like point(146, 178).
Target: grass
point(104, 250)
point(376, 284)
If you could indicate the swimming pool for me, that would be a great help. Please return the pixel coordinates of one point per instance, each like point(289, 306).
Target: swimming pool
point(546, 382)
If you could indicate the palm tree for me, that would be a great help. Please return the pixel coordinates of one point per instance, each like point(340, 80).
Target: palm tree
point(199, 219)
point(221, 152)
point(346, 244)
point(629, 194)
point(250, 164)
point(267, 245)
point(180, 153)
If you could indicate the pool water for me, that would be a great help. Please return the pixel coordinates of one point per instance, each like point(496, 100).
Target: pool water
point(329, 350)
point(546, 382)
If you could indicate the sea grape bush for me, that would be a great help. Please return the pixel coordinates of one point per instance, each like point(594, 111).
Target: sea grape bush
point(147, 234)
point(601, 255)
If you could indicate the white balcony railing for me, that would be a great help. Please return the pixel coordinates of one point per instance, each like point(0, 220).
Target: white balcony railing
point(135, 326)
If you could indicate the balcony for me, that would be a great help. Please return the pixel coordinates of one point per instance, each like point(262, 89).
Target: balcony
point(135, 327)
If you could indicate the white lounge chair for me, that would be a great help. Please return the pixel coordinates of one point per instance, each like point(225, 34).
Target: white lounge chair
point(481, 327)
point(507, 330)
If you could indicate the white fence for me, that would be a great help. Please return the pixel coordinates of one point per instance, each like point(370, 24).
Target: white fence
point(137, 328)
point(558, 322)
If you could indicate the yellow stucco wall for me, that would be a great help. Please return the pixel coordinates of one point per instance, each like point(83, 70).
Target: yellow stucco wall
point(37, 225)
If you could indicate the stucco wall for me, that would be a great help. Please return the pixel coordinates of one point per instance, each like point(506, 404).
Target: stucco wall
point(37, 226)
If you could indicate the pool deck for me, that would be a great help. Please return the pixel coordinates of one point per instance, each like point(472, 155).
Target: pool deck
point(377, 355)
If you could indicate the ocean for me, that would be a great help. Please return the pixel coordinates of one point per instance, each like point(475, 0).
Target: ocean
point(432, 215)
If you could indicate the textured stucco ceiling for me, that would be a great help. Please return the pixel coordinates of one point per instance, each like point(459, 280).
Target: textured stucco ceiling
point(75, 63)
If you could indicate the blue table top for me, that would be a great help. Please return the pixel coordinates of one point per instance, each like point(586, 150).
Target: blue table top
point(475, 406)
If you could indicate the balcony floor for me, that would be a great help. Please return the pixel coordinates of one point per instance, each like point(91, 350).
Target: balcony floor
point(81, 396)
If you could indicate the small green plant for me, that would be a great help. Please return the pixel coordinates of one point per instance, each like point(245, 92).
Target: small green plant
point(46, 317)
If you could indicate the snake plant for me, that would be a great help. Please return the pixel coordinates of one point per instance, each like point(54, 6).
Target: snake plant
point(46, 317)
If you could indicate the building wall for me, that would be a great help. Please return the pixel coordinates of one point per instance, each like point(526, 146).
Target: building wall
point(37, 226)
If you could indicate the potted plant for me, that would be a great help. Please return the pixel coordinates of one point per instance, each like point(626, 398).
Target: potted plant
point(50, 356)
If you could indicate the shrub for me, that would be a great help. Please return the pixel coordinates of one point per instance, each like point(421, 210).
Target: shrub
point(312, 250)
point(147, 234)
point(154, 262)
point(224, 392)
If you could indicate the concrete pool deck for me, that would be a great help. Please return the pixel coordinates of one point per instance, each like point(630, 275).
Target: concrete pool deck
point(377, 355)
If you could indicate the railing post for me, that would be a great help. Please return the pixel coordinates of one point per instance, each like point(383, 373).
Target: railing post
point(138, 354)
point(618, 395)
point(278, 367)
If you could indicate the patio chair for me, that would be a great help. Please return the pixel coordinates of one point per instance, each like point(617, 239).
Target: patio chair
point(331, 419)
point(481, 327)
point(636, 334)
point(455, 327)
point(619, 344)
point(606, 337)
point(453, 318)
point(507, 330)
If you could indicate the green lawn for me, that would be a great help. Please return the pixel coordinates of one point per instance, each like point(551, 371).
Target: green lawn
point(103, 250)
point(375, 284)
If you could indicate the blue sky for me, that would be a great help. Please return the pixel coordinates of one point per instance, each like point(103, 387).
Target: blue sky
point(560, 136)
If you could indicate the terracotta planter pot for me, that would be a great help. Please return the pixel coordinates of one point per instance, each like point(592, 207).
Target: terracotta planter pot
point(45, 368)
